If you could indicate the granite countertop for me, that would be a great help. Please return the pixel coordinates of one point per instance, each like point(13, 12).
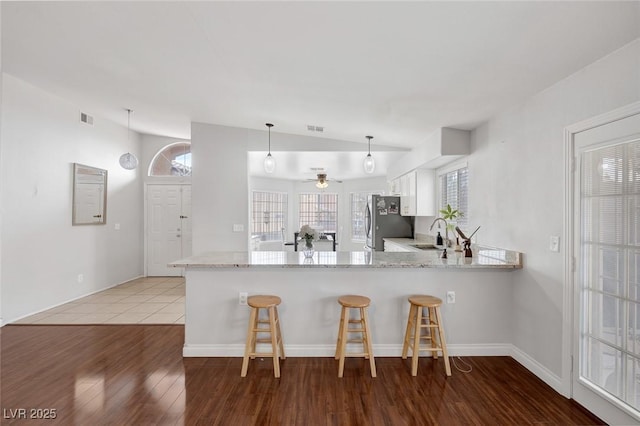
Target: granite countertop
point(483, 258)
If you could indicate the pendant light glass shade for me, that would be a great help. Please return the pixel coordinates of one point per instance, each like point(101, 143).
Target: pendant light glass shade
point(269, 161)
point(128, 161)
point(369, 164)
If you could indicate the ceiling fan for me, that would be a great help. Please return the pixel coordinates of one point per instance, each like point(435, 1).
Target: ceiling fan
point(322, 181)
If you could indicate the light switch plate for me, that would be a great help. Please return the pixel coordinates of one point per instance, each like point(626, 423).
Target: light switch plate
point(238, 227)
point(554, 243)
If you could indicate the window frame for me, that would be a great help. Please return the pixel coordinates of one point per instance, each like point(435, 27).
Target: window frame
point(285, 214)
point(315, 224)
point(455, 167)
point(160, 153)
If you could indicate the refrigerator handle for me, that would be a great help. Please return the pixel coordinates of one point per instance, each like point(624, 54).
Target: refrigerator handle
point(367, 220)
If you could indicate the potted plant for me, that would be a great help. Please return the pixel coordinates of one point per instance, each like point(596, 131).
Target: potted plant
point(449, 214)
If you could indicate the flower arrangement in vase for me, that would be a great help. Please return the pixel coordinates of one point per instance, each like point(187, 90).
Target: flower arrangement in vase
point(308, 234)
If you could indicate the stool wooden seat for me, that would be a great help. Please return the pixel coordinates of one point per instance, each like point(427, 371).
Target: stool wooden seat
point(269, 303)
point(354, 302)
point(432, 323)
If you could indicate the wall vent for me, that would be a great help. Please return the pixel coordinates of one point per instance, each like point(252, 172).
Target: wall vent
point(315, 128)
point(86, 118)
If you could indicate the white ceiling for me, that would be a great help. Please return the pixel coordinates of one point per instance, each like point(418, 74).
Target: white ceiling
point(395, 70)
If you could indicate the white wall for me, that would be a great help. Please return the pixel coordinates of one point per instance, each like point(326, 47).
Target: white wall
point(516, 175)
point(42, 254)
point(220, 187)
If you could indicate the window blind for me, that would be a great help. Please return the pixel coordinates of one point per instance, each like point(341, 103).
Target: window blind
point(455, 192)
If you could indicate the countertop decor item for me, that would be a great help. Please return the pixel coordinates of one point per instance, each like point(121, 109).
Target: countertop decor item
point(269, 161)
point(308, 234)
point(466, 241)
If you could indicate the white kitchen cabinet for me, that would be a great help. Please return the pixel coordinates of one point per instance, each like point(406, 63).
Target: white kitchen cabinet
point(418, 193)
point(395, 187)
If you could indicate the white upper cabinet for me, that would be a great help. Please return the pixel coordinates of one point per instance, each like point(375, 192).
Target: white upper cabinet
point(417, 196)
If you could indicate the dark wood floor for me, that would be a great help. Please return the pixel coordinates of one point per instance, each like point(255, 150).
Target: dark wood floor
point(135, 375)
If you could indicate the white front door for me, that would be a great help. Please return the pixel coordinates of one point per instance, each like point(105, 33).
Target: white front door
point(606, 248)
point(168, 227)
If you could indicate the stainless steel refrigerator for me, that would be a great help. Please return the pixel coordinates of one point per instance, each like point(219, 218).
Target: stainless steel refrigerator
point(383, 220)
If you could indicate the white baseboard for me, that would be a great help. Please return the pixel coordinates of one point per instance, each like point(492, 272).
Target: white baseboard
point(294, 351)
point(542, 372)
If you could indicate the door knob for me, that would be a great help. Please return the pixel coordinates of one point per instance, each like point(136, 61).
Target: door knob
point(184, 217)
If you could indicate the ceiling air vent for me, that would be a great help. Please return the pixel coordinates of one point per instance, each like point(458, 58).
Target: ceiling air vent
point(315, 128)
point(86, 118)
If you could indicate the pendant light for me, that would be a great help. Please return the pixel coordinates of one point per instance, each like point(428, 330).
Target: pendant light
point(269, 161)
point(369, 164)
point(128, 161)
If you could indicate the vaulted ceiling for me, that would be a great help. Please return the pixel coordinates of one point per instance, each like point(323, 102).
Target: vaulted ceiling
point(395, 70)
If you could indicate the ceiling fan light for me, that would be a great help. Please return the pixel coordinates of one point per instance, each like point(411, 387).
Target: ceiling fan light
point(322, 181)
point(269, 164)
point(369, 164)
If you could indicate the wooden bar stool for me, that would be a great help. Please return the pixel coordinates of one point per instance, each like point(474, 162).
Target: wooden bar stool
point(432, 322)
point(361, 303)
point(269, 303)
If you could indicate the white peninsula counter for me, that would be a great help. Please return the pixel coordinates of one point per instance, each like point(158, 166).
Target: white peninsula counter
point(477, 324)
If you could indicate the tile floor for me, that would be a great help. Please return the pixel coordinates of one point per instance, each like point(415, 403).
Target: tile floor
point(153, 300)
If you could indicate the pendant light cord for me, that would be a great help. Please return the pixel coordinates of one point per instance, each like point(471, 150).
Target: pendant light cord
point(129, 111)
point(269, 125)
point(369, 137)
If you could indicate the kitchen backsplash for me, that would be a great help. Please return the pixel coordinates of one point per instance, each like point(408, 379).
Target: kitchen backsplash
point(422, 225)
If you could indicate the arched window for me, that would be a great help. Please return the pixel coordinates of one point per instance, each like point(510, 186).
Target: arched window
point(172, 160)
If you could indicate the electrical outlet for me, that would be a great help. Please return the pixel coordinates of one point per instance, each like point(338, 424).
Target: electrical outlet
point(554, 243)
point(242, 298)
point(451, 297)
point(80, 278)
